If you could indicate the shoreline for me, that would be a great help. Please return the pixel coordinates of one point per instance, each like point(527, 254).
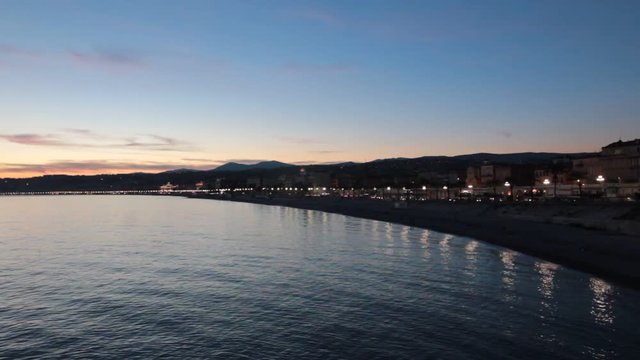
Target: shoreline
point(577, 243)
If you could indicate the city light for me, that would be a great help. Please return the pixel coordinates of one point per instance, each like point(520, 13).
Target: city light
point(600, 179)
point(424, 188)
point(507, 184)
point(546, 182)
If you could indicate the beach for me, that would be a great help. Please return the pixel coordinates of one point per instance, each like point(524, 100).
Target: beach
point(602, 239)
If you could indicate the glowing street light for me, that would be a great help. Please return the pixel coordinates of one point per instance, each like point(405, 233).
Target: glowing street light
point(470, 186)
point(510, 187)
point(444, 187)
point(579, 188)
point(600, 179)
point(424, 188)
point(546, 182)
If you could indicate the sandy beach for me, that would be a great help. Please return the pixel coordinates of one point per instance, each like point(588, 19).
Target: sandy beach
point(602, 239)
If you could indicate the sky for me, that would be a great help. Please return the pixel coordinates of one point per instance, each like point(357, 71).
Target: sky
point(120, 86)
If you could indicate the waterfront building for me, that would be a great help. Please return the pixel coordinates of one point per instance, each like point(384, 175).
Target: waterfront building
point(473, 176)
point(168, 187)
point(587, 168)
point(492, 175)
point(617, 162)
point(621, 161)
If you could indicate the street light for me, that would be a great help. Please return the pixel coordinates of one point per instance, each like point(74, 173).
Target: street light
point(579, 188)
point(546, 182)
point(510, 193)
point(600, 179)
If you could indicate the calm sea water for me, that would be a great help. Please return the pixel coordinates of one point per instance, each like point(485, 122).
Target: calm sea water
point(147, 277)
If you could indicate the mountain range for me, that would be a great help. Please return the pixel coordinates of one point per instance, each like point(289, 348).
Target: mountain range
point(236, 174)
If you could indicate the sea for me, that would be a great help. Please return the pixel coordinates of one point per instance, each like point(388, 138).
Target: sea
point(140, 277)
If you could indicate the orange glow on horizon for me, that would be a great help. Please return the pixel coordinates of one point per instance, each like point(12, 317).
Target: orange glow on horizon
point(74, 172)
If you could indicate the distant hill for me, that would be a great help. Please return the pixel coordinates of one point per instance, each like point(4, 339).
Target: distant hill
point(516, 158)
point(263, 165)
point(179, 171)
point(235, 174)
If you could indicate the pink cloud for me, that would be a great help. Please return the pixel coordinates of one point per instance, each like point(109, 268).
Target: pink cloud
point(318, 15)
point(17, 51)
point(84, 167)
point(34, 139)
point(84, 138)
point(108, 58)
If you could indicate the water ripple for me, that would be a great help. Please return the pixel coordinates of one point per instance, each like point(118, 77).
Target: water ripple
point(153, 277)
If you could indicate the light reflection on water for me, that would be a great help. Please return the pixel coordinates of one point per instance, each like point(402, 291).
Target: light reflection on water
point(547, 272)
point(164, 277)
point(424, 240)
point(445, 248)
point(548, 308)
point(602, 305)
point(508, 258)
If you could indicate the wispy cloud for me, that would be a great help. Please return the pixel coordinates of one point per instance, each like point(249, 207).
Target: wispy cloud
point(295, 67)
point(243, 161)
point(34, 139)
point(84, 167)
point(112, 166)
point(107, 58)
point(150, 141)
point(299, 140)
point(200, 160)
point(84, 138)
point(317, 15)
point(17, 51)
point(325, 151)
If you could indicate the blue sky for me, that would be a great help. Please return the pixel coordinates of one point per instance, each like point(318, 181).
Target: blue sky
point(111, 86)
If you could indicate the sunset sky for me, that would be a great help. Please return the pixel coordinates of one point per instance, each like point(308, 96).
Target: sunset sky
point(121, 86)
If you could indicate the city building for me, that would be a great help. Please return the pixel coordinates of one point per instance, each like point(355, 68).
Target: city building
point(617, 162)
point(491, 175)
point(620, 161)
point(168, 187)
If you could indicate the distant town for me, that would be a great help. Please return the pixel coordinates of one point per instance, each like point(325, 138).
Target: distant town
point(612, 173)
